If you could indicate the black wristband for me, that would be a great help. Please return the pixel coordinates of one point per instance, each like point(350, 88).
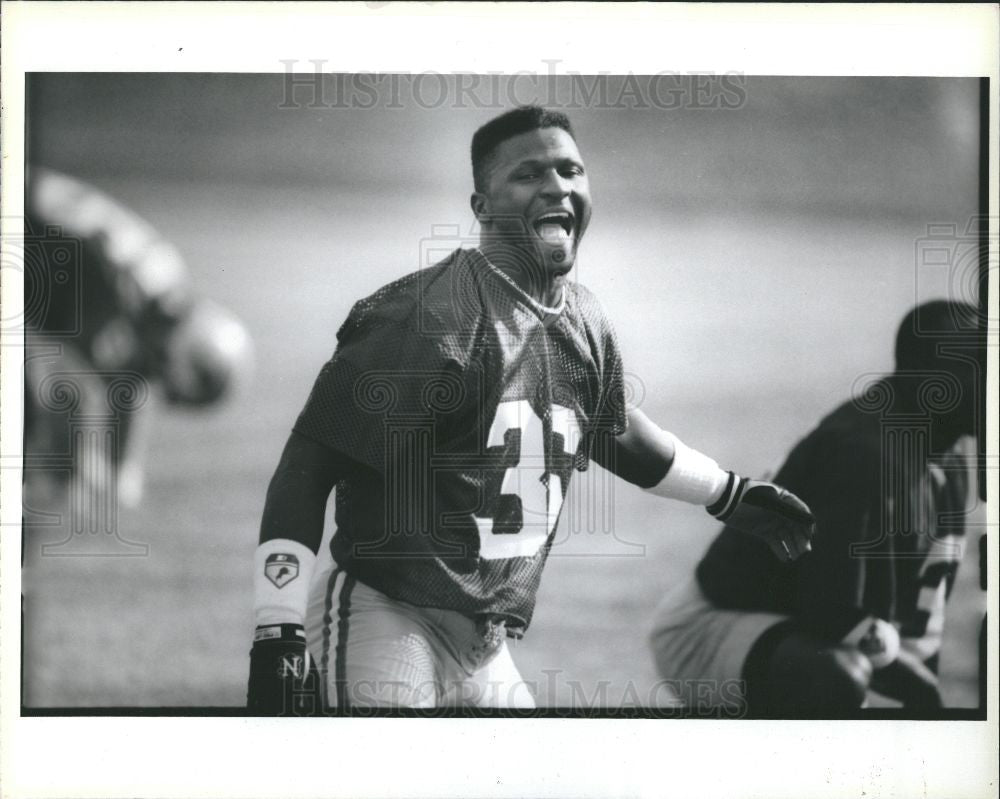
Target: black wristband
point(279, 632)
point(724, 506)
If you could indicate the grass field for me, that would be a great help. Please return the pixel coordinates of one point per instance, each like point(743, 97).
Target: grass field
point(740, 332)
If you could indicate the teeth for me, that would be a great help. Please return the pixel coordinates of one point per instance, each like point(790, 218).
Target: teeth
point(554, 228)
point(552, 232)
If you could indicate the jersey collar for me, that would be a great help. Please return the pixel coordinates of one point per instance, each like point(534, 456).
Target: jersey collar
point(547, 314)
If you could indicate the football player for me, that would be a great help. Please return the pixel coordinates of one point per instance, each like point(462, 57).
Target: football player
point(452, 415)
point(110, 313)
point(887, 477)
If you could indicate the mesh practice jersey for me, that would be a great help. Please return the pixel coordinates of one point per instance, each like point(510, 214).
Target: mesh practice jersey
point(890, 524)
point(466, 406)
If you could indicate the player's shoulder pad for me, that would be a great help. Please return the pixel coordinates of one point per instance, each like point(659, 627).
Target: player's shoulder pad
point(585, 306)
point(580, 294)
point(844, 449)
point(431, 307)
point(585, 313)
point(853, 430)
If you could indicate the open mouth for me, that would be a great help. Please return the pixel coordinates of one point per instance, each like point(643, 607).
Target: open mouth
point(555, 227)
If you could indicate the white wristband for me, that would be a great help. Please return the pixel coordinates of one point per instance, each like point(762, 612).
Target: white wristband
point(282, 571)
point(692, 477)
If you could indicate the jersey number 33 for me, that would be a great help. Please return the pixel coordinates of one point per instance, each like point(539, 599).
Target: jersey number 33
point(534, 490)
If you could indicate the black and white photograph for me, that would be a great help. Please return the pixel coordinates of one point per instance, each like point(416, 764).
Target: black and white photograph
point(499, 398)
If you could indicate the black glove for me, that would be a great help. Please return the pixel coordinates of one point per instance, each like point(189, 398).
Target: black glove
point(769, 512)
point(283, 679)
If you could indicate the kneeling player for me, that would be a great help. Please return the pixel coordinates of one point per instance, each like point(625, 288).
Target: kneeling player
point(887, 480)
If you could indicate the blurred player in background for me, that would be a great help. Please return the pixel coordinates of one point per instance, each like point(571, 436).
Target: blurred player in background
point(450, 419)
point(110, 313)
point(888, 479)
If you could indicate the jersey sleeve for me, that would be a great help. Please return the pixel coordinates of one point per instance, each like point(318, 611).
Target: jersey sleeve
point(609, 417)
point(382, 378)
point(612, 416)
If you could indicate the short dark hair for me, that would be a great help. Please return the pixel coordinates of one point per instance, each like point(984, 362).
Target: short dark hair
point(519, 120)
point(930, 324)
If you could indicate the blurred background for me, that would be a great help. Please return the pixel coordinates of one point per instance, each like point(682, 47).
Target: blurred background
point(756, 241)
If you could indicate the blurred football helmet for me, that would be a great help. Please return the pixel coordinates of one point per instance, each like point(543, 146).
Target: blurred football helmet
point(207, 354)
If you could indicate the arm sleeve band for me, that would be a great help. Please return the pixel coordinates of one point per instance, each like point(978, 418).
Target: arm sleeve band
point(282, 571)
point(692, 476)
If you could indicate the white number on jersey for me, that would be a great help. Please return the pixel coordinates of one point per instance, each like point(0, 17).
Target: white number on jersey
point(541, 498)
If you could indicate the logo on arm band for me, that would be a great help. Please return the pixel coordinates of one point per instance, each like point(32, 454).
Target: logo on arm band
point(281, 568)
point(872, 644)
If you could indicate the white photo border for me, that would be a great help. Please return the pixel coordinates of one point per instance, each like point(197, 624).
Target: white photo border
point(173, 756)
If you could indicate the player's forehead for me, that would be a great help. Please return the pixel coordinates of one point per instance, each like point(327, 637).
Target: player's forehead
point(542, 145)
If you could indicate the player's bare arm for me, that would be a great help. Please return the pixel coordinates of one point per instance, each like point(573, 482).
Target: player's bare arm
point(659, 462)
point(298, 491)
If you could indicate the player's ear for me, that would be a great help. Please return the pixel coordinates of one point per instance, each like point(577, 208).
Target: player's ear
point(480, 206)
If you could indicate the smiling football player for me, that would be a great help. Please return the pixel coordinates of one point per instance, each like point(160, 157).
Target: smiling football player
point(452, 415)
